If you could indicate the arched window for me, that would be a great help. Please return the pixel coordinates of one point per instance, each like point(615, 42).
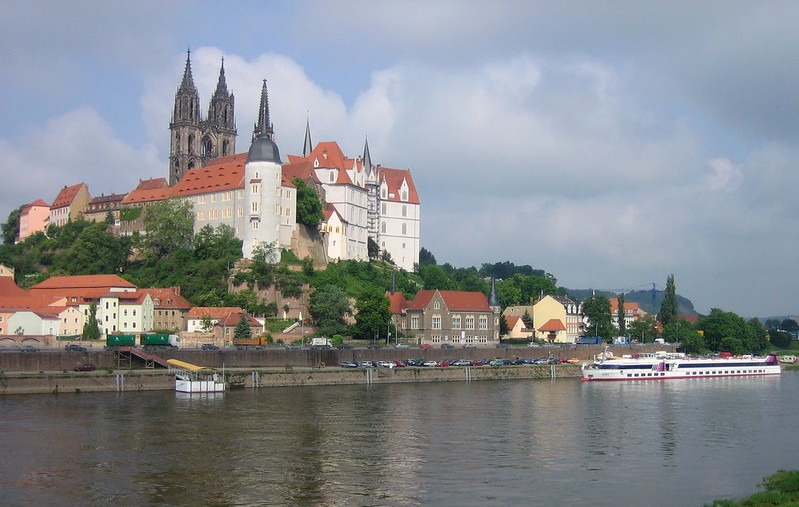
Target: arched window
point(225, 148)
point(207, 148)
point(191, 144)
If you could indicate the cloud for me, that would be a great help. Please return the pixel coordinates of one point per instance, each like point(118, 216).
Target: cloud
point(76, 147)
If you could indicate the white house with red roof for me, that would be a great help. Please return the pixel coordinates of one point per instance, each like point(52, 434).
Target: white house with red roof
point(632, 312)
point(198, 314)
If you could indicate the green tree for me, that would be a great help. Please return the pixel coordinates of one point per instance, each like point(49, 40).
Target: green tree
point(643, 330)
point(597, 311)
point(692, 342)
point(527, 319)
point(11, 227)
point(243, 329)
point(780, 339)
point(372, 314)
point(435, 277)
point(309, 206)
point(620, 316)
point(91, 331)
point(728, 332)
point(789, 325)
point(668, 308)
point(372, 249)
point(426, 257)
point(329, 306)
point(94, 251)
point(169, 225)
point(206, 324)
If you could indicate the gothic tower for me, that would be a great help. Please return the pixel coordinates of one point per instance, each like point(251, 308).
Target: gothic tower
point(219, 132)
point(184, 144)
point(194, 141)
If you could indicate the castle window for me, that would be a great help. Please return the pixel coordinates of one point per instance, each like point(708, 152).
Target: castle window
point(404, 229)
point(225, 144)
point(207, 147)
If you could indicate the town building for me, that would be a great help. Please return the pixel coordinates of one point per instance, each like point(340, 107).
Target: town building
point(560, 309)
point(457, 318)
point(170, 309)
point(33, 217)
point(194, 141)
point(100, 209)
point(69, 204)
point(632, 312)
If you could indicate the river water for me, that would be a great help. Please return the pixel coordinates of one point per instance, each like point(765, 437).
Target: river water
point(542, 442)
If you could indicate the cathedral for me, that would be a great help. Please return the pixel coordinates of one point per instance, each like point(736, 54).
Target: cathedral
point(254, 193)
point(194, 140)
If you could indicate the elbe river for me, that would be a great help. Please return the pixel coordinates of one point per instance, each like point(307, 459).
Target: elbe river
point(521, 442)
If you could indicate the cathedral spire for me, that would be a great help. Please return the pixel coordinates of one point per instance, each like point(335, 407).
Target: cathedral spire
point(264, 125)
point(188, 81)
point(367, 158)
point(307, 146)
point(221, 85)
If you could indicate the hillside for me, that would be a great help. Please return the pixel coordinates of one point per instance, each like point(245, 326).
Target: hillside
point(642, 297)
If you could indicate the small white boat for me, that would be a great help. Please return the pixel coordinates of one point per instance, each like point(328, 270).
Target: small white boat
point(190, 378)
point(788, 359)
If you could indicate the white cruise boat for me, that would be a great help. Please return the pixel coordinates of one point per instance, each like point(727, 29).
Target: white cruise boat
point(666, 366)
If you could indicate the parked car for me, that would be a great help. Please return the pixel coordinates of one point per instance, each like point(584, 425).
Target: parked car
point(373, 346)
point(447, 346)
point(28, 348)
point(75, 348)
point(345, 346)
point(348, 364)
point(209, 346)
point(402, 346)
point(425, 346)
point(385, 364)
point(85, 367)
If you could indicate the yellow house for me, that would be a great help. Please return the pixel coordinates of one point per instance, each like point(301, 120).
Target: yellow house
point(556, 308)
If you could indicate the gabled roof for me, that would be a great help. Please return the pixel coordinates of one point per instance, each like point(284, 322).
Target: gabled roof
point(67, 195)
point(552, 325)
point(38, 203)
point(511, 321)
point(219, 175)
point(84, 281)
point(168, 298)
point(108, 198)
point(396, 302)
point(215, 312)
point(154, 189)
point(232, 319)
point(458, 301)
point(394, 179)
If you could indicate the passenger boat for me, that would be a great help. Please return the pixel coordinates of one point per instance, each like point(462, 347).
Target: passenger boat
point(666, 366)
point(788, 359)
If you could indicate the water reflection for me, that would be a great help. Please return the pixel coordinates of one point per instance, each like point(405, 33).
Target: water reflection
point(558, 442)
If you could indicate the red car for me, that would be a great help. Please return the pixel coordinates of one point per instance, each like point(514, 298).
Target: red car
point(425, 346)
point(85, 367)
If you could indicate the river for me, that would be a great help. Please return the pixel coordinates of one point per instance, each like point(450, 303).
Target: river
point(532, 442)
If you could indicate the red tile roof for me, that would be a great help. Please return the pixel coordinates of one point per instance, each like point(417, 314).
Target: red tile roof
point(215, 312)
point(168, 298)
point(67, 195)
point(458, 301)
point(394, 179)
point(155, 189)
point(219, 175)
point(552, 325)
point(396, 302)
point(84, 281)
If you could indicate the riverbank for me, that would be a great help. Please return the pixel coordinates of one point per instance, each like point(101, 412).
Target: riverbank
point(109, 380)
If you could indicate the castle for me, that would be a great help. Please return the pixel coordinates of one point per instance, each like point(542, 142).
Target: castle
point(253, 192)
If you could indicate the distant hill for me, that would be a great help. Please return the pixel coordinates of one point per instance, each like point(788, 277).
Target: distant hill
point(642, 297)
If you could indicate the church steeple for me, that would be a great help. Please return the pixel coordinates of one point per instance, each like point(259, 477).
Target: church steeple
point(307, 146)
point(264, 125)
point(185, 130)
point(219, 139)
point(367, 158)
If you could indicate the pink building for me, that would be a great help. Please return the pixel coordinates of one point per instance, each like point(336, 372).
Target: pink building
point(34, 217)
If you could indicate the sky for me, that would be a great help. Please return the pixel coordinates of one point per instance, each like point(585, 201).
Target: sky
point(610, 144)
